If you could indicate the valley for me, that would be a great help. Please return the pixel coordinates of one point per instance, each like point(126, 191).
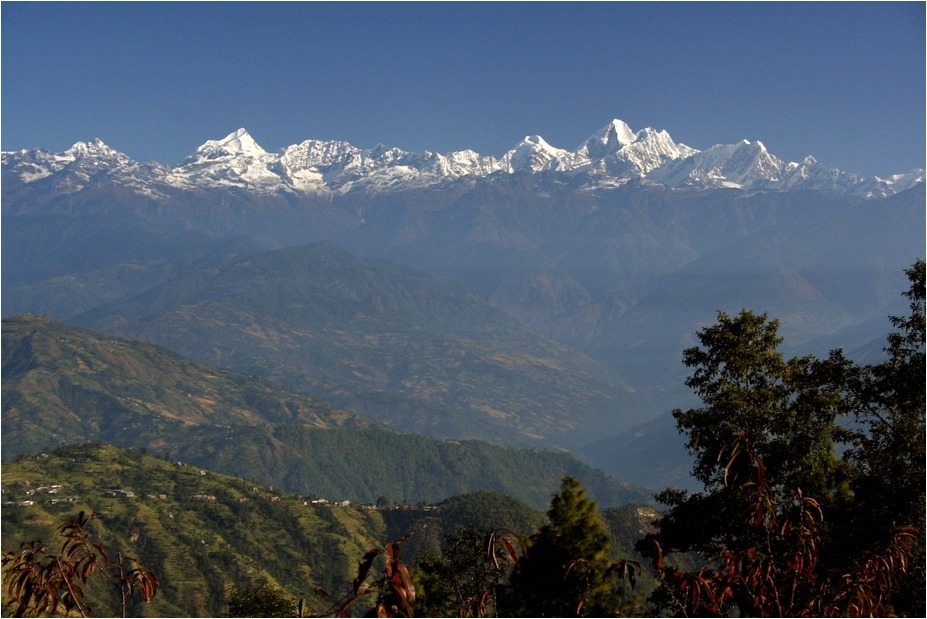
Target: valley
point(529, 307)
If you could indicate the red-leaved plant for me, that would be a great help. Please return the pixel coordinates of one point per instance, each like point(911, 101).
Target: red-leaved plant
point(781, 576)
point(37, 582)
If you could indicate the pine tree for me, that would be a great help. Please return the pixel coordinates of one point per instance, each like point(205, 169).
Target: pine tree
point(566, 571)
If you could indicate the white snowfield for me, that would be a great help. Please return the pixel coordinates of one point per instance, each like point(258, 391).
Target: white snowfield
point(610, 157)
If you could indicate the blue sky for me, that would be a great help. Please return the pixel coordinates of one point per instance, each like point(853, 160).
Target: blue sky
point(844, 82)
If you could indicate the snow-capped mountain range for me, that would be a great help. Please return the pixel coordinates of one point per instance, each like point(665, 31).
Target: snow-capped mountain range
point(611, 157)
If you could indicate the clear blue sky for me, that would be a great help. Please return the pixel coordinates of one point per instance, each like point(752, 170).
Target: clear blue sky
point(842, 82)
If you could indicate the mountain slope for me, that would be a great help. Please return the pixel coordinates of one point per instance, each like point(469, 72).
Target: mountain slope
point(64, 384)
point(318, 320)
point(68, 265)
point(199, 531)
point(620, 249)
point(202, 532)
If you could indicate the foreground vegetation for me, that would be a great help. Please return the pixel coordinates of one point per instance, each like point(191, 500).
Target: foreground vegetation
point(813, 473)
point(813, 505)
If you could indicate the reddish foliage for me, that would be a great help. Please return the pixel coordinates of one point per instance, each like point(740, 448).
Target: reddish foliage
point(782, 577)
point(37, 582)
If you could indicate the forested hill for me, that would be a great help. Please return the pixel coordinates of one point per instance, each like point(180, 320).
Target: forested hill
point(203, 533)
point(63, 385)
point(67, 384)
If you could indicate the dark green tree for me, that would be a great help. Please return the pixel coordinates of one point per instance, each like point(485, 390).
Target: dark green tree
point(464, 580)
point(888, 453)
point(782, 571)
point(765, 444)
point(788, 408)
point(567, 570)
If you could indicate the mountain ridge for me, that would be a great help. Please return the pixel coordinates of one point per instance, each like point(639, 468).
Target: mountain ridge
point(612, 156)
point(623, 272)
point(317, 319)
point(65, 385)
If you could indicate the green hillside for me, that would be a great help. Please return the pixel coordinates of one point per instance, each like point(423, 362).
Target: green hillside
point(362, 465)
point(65, 385)
point(202, 532)
point(199, 532)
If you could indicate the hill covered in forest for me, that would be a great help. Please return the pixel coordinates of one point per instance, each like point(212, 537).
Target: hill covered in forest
point(204, 534)
point(65, 385)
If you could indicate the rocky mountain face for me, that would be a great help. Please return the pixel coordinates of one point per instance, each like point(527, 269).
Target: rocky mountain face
point(592, 268)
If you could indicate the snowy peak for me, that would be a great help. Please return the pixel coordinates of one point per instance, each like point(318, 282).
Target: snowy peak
point(234, 161)
point(901, 182)
point(96, 148)
point(610, 157)
point(617, 152)
point(83, 165)
point(660, 141)
point(742, 165)
point(534, 154)
point(462, 163)
point(651, 150)
point(93, 155)
point(314, 153)
point(608, 140)
point(236, 144)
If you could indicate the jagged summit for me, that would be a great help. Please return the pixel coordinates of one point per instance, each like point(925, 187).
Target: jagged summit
point(83, 149)
point(534, 154)
point(609, 139)
point(237, 143)
point(610, 157)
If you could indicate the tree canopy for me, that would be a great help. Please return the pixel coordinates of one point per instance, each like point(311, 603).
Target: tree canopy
point(566, 570)
point(813, 473)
